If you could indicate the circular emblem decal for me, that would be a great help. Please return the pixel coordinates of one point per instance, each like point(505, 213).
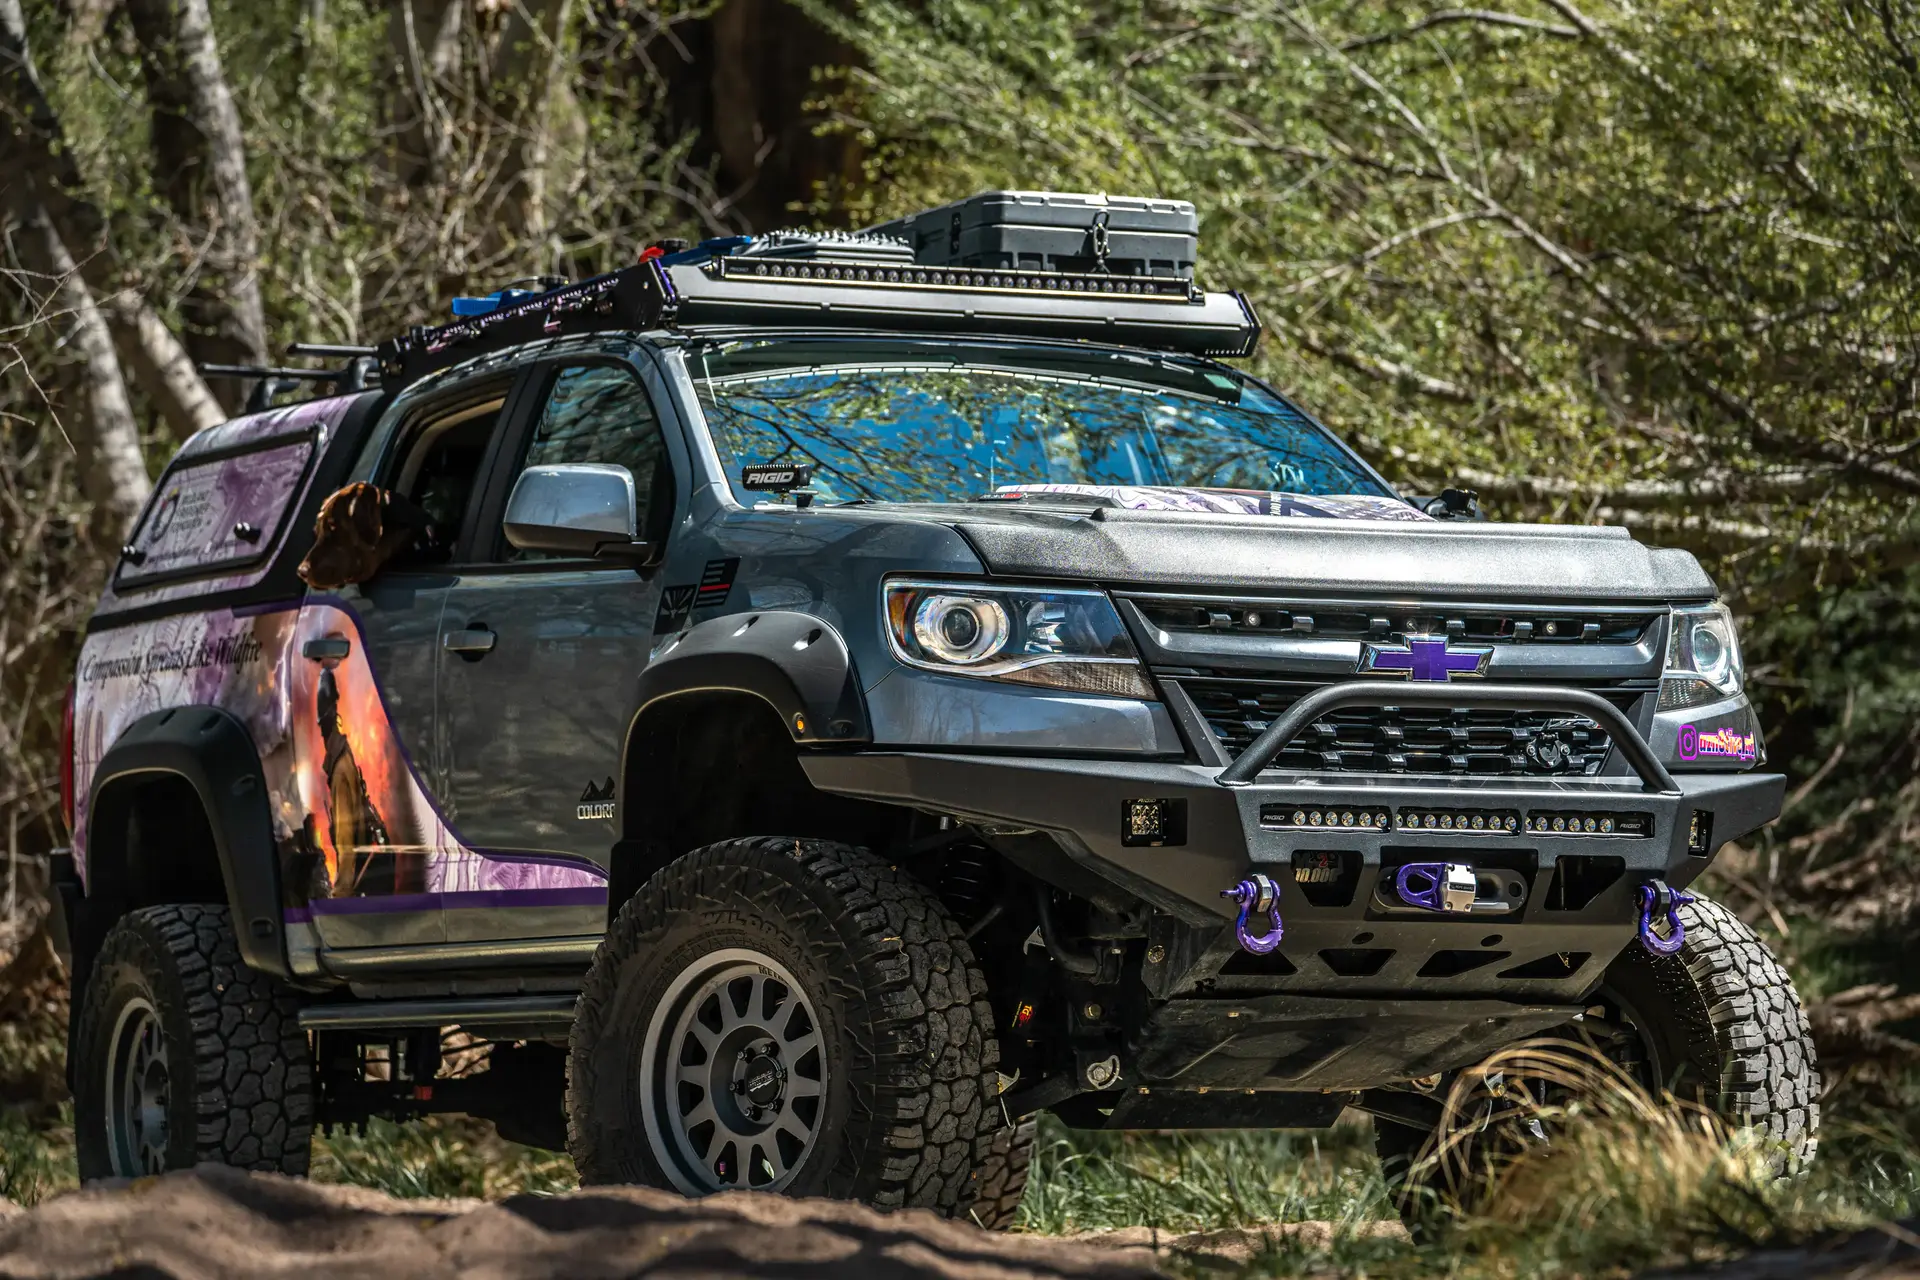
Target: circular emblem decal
point(1689, 742)
point(163, 516)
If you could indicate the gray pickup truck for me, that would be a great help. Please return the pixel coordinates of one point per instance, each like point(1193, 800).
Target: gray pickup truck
point(811, 705)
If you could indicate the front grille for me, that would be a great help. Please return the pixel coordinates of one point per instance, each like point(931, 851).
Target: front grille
point(1478, 624)
point(1406, 740)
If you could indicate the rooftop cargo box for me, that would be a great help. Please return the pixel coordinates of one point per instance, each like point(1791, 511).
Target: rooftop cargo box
point(1055, 231)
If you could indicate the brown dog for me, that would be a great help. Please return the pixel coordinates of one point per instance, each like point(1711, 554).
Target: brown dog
point(358, 530)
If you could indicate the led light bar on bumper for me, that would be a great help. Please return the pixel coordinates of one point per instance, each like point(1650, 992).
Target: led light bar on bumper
point(1055, 638)
point(1703, 658)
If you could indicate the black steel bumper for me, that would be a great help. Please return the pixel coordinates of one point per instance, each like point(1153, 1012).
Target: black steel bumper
point(1575, 909)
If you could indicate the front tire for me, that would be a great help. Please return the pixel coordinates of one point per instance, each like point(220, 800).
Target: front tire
point(785, 1015)
point(183, 1055)
point(1718, 1024)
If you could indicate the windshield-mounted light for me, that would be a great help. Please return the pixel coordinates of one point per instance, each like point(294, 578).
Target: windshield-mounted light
point(1058, 638)
point(1703, 658)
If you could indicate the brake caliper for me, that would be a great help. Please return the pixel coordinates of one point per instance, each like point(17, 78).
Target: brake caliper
point(1658, 898)
point(1257, 895)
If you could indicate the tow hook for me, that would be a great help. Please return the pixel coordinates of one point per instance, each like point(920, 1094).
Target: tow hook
point(1257, 895)
point(1437, 886)
point(1658, 898)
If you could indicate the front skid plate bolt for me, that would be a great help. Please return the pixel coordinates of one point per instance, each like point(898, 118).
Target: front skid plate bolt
point(1103, 1074)
point(1092, 1012)
point(1156, 954)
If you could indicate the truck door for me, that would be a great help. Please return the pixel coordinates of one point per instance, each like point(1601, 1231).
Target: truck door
point(365, 698)
point(540, 661)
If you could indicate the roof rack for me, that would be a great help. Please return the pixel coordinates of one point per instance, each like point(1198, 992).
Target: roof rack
point(360, 371)
point(836, 280)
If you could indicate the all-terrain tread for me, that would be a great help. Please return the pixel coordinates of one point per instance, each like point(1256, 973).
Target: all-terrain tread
point(928, 1052)
point(1769, 1079)
point(1000, 1182)
point(252, 1069)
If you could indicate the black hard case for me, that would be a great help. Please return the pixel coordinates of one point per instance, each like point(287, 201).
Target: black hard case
point(1055, 231)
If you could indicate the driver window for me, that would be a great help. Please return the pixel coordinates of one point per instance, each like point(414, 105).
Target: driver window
point(439, 469)
point(601, 413)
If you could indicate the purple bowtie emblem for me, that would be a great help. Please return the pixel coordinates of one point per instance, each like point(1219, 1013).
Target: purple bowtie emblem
point(1424, 658)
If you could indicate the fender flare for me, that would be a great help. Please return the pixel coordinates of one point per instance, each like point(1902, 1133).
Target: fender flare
point(213, 752)
point(795, 662)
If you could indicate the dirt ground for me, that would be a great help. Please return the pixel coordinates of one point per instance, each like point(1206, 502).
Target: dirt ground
point(218, 1223)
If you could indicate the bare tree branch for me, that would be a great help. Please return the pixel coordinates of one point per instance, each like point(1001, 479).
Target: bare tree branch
point(33, 147)
point(1381, 369)
point(1446, 17)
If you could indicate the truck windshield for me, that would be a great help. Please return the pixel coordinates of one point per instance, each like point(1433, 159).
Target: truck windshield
point(923, 421)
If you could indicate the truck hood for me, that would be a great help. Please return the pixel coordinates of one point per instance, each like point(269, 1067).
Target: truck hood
point(1324, 556)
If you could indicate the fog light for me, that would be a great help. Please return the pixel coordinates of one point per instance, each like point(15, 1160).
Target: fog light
point(1153, 823)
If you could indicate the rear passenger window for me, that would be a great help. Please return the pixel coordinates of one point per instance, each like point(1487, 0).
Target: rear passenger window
point(601, 413)
point(438, 474)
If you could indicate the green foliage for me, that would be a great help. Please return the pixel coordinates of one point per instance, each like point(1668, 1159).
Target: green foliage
point(1200, 1181)
point(440, 1157)
point(36, 1155)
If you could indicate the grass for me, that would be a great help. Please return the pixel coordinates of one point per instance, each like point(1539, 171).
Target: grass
point(1200, 1181)
point(440, 1157)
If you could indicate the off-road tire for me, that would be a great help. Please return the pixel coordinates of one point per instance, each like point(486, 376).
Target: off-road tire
point(908, 1111)
point(1726, 1028)
point(1719, 1024)
point(1000, 1183)
point(239, 1068)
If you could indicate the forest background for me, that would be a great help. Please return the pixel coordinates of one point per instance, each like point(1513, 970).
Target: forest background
point(1638, 262)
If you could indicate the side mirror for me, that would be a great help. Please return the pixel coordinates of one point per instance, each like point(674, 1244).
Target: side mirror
point(576, 509)
point(1452, 504)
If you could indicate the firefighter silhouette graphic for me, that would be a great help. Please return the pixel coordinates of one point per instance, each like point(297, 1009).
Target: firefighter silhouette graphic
point(368, 858)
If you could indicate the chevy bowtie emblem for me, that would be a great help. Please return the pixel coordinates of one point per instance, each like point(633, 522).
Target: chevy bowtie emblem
point(1424, 658)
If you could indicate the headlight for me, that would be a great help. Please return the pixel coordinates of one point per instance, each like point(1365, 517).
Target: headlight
point(1062, 639)
point(1703, 658)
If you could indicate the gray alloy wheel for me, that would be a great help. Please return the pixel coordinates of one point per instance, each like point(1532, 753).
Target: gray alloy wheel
point(786, 1014)
point(733, 1074)
point(182, 1055)
point(139, 1092)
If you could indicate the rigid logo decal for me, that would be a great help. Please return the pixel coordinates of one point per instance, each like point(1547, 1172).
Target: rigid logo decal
point(595, 802)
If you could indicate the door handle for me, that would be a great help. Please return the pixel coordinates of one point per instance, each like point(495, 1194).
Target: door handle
point(471, 642)
point(326, 647)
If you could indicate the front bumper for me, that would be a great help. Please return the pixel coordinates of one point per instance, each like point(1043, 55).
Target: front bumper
point(1571, 901)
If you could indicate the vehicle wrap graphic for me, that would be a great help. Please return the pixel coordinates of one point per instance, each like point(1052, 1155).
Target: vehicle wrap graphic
point(1239, 502)
point(351, 818)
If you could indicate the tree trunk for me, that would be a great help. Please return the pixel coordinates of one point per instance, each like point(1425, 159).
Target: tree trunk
point(423, 42)
point(532, 95)
point(200, 169)
point(113, 471)
point(33, 149)
point(744, 88)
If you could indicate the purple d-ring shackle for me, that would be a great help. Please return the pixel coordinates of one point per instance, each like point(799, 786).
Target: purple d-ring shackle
point(1658, 898)
point(1257, 895)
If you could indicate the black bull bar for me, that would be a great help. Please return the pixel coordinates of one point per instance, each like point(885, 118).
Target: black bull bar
point(1295, 719)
